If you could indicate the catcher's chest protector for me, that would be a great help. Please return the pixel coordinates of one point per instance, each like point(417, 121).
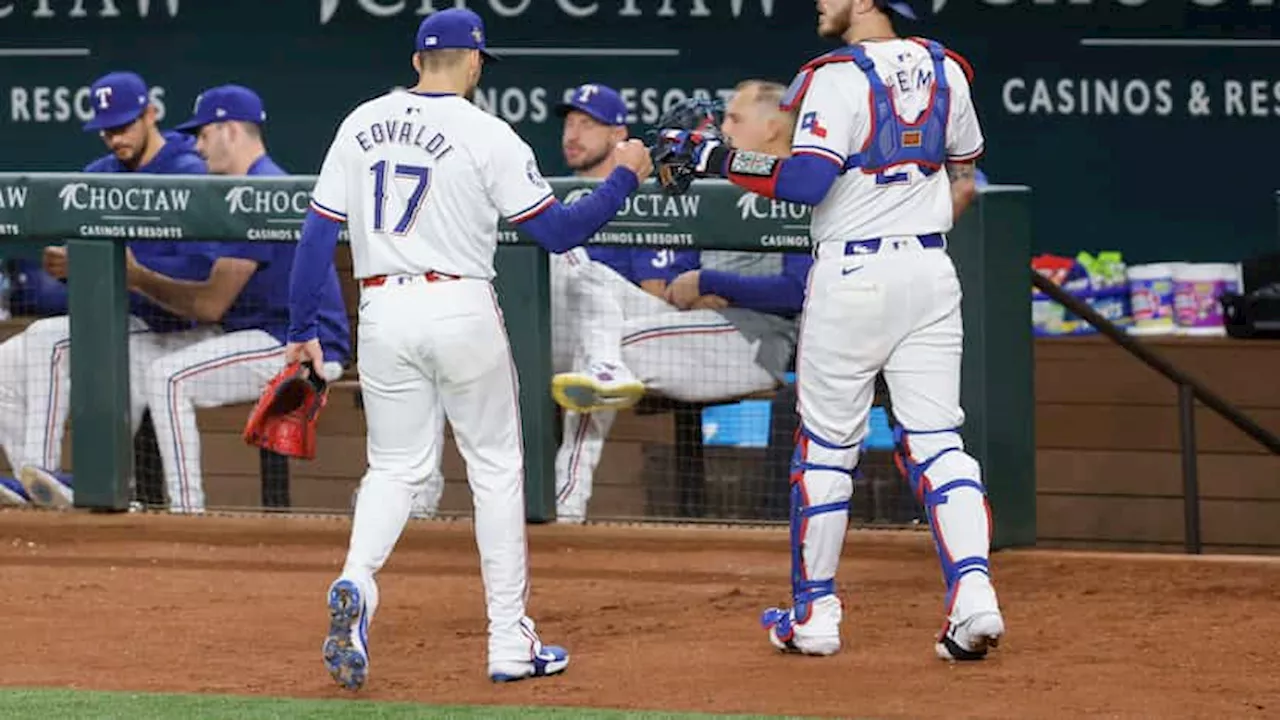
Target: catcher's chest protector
point(892, 140)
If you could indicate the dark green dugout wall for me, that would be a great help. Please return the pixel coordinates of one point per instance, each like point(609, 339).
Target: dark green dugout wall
point(1092, 102)
point(990, 247)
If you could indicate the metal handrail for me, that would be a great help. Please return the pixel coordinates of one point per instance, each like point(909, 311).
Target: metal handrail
point(1189, 390)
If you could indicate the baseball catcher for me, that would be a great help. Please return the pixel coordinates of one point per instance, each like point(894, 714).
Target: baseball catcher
point(284, 420)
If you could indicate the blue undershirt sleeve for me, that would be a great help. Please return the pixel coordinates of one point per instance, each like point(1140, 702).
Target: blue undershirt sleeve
point(560, 227)
point(781, 294)
point(806, 179)
point(310, 272)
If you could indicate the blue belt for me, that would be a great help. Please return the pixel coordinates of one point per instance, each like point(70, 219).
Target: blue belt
point(871, 247)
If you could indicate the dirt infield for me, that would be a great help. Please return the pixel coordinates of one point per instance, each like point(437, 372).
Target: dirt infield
point(655, 619)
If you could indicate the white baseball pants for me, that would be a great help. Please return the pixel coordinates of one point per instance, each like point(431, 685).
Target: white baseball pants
point(896, 310)
point(35, 385)
point(693, 355)
point(222, 370)
point(589, 303)
point(428, 345)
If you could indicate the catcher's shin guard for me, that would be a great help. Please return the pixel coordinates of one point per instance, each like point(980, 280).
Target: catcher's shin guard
point(948, 483)
point(821, 486)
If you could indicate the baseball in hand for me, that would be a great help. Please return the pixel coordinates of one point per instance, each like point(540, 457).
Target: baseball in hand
point(633, 155)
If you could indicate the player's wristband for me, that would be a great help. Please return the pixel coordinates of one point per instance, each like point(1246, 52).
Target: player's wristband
point(718, 158)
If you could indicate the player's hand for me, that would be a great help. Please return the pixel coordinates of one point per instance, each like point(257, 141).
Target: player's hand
point(131, 268)
point(683, 291)
point(54, 261)
point(633, 155)
point(709, 302)
point(302, 352)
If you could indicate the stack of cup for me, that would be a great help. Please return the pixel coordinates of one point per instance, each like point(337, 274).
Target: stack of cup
point(1197, 288)
point(1151, 296)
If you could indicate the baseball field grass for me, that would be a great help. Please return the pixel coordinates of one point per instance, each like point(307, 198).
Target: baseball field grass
point(41, 703)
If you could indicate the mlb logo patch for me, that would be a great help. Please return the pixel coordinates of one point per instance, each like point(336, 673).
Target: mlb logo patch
point(912, 138)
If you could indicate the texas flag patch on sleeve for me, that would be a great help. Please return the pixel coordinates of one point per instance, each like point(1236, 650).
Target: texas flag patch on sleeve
point(812, 124)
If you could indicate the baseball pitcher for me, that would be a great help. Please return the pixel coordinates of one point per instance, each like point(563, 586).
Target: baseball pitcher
point(884, 152)
point(594, 290)
point(420, 178)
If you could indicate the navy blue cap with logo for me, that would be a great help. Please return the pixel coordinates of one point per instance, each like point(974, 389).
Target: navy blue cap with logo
point(900, 7)
point(601, 102)
point(453, 29)
point(117, 99)
point(224, 103)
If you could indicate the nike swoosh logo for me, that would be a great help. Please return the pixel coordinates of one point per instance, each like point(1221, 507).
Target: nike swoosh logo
point(850, 271)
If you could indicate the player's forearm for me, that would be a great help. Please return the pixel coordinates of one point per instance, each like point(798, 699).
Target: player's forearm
point(656, 286)
point(775, 294)
point(964, 187)
point(311, 264)
point(184, 298)
point(803, 179)
point(559, 227)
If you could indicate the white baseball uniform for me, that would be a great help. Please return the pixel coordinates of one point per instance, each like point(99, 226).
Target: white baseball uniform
point(590, 302)
point(35, 387)
point(421, 181)
point(687, 355)
point(234, 365)
point(883, 296)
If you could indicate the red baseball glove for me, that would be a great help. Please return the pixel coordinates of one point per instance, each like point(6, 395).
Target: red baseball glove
point(284, 420)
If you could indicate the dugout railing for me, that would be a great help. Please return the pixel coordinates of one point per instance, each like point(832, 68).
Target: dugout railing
point(97, 214)
point(1189, 391)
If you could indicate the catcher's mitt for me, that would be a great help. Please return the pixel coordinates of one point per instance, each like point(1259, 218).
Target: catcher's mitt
point(679, 141)
point(284, 420)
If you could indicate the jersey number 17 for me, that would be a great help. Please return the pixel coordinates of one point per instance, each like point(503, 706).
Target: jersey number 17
point(421, 175)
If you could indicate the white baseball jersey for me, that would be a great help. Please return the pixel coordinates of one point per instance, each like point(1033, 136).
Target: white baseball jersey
point(421, 181)
point(835, 120)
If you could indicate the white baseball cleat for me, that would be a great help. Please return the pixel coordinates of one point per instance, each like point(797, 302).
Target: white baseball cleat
point(12, 492)
point(544, 660)
point(47, 489)
point(818, 633)
point(971, 638)
point(604, 386)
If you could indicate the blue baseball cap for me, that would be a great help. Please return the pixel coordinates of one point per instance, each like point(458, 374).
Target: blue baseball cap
point(599, 101)
point(223, 103)
point(117, 99)
point(455, 28)
point(899, 6)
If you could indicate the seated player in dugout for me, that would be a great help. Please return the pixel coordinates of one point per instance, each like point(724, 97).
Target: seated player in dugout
point(732, 331)
point(598, 286)
point(594, 289)
point(245, 296)
point(35, 372)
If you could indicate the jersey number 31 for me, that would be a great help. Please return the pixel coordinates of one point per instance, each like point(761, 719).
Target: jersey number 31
point(422, 177)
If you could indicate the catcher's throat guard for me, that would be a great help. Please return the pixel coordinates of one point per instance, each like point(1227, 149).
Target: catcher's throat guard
point(284, 419)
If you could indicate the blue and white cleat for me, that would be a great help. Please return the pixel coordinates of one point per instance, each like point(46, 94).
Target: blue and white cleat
point(818, 633)
point(346, 649)
point(549, 660)
point(12, 492)
point(46, 488)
